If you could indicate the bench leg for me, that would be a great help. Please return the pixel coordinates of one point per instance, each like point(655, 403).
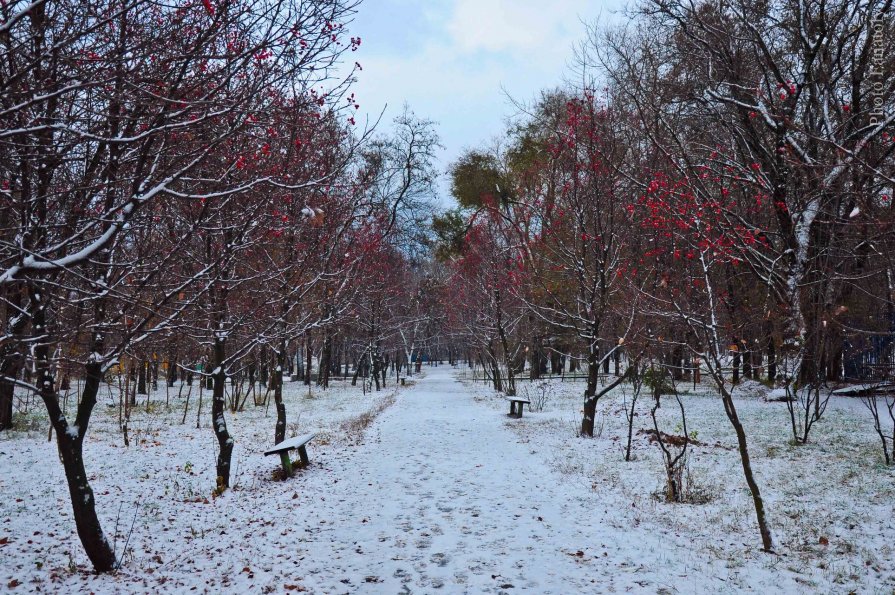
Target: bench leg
point(304, 456)
point(512, 409)
point(521, 408)
point(287, 464)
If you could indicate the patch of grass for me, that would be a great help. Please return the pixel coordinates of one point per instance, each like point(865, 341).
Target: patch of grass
point(154, 407)
point(31, 421)
point(353, 429)
point(693, 489)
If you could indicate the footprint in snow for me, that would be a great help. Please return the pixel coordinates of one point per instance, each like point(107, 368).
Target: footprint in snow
point(402, 574)
point(475, 567)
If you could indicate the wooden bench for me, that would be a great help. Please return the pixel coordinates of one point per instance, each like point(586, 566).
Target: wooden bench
point(517, 403)
point(285, 446)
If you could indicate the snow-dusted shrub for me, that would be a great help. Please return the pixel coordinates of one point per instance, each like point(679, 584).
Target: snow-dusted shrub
point(540, 393)
point(689, 488)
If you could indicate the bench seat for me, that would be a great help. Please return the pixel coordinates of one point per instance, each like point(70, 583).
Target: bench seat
point(517, 403)
point(283, 448)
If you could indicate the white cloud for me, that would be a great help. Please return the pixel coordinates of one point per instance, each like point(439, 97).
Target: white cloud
point(449, 60)
point(513, 25)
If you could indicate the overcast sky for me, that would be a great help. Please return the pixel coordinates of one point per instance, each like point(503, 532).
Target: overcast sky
point(450, 59)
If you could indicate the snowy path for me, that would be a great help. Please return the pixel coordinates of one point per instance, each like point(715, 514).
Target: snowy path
point(446, 494)
point(442, 495)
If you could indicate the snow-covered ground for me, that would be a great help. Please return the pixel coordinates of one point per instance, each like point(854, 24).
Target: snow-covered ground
point(182, 536)
point(831, 503)
point(445, 493)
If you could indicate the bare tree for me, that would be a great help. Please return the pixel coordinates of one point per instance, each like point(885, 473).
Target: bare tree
point(112, 112)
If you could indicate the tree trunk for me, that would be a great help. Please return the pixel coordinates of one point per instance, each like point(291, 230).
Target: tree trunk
point(757, 501)
point(590, 393)
point(736, 363)
point(374, 366)
point(534, 373)
point(90, 532)
point(7, 390)
point(511, 381)
point(172, 369)
point(154, 373)
point(11, 358)
point(141, 378)
point(747, 361)
point(834, 355)
point(356, 373)
point(495, 368)
point(308, 356)
point(219, 423)
point(9, 368)
point(70, 440)
point(279, 433)
point(131, 395)
point(772, 360)
point(325, 363)
point(219, 380)
point(263, 375)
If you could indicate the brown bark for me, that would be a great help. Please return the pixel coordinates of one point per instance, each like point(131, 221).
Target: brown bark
point(10, 356)
point(280, 429)
point(590, 393)
point(510, 382)
point(218, 377)
point(218, 422)
point(534, 373)
point(308, 354)
point(141, 379)
point(8, 369)
point(742, 446)
point(70, 440)
point(715, 369)
point(325, 363)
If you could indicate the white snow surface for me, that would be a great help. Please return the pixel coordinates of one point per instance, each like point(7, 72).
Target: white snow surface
point(444, 493)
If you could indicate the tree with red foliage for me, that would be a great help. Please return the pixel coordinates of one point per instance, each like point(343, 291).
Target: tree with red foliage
point(691, 295)
point(572, 227)
point(111, 111)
